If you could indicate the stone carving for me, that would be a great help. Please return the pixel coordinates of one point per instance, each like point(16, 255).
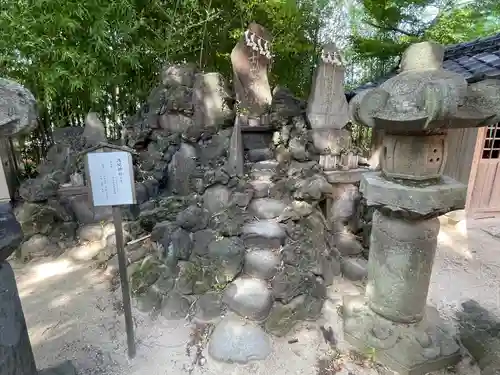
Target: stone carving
point(328, 114)
point(18, 112)
point(327, 105)
point(250, 59)
point(424, 96)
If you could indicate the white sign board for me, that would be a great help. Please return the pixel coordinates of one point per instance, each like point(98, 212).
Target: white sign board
point(111, 178)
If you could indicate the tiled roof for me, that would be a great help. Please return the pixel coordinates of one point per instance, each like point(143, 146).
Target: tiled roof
point(475, 60)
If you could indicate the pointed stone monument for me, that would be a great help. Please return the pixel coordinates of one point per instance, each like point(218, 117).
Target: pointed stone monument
point(250, 59)
point(328, 109)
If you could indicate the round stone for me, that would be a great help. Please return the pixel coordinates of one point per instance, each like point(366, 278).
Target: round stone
point(236, 341)
point(261, 264)
point(264, 228)
point(249, 297)
point(267, 208)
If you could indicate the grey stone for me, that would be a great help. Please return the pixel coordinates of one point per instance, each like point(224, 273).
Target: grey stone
point(261, 264)
point(175, 122)
point(264, 228)
point(36, 246)
point(208, 308)
point(259, 154)
point(347, 243)
point(178, 74)
point(181, 168)
point(11, 234)
point(403, 348)
point(193, 218)
point(313, 187)
point(249, 297)
point(261, 188)
point(478, 330)
point(202, 239)
point(141, 193)
point(211, 100)
point(237, 341)
point(267, 208)
point(41, 188)
point(174, 306)
point(152, 187)
point(94, 131)
point(265, 165)
point(181, 243)
point(15, 347)
point(242, 199)
point(18, 110)
point(351, 176)
point(354, 269)
point(399, 247)
point(216, 198)
point(161, 230)
point(235, 161)
point(298, 148)
point(427, 200)
point(90, 232)
point(283, 318)
point(86, 213)
point(291, 282)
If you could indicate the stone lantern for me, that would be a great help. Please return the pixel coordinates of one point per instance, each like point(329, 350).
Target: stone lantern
point(414, 109)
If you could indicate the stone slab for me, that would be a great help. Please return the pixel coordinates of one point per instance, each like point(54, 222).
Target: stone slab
point(351, 176)
point(424, 200)
point(408, 349)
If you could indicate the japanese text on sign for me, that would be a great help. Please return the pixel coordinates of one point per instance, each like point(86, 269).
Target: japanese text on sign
point(110, 178)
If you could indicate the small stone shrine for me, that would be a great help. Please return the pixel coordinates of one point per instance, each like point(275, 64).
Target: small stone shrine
point(250, 59)
point(414, 109)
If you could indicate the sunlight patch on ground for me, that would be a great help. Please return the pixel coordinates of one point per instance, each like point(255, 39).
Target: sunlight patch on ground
point(44, 271)
point(456, 241)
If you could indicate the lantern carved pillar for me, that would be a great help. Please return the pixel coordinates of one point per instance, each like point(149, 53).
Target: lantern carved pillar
point(414, 110)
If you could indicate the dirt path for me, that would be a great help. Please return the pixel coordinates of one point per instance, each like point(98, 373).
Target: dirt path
point(71, 314)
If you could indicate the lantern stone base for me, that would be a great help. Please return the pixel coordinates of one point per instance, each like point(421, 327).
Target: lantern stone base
point(409, 349)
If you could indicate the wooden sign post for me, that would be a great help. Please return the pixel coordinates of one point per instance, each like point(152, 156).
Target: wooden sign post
point(110, 180)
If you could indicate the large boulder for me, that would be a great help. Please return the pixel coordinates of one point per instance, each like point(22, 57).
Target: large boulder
point(18, 111)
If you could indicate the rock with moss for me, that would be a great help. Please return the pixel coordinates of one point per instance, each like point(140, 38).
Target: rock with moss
point(283, 318)
point(145, 273)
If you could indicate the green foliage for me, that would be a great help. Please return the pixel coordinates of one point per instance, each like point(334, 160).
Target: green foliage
point(105, 55)
point(382, 29)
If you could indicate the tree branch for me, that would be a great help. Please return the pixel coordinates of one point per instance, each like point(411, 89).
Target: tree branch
point(395, 29)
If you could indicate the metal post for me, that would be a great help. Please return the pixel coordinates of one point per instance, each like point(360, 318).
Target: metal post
point(122, 266)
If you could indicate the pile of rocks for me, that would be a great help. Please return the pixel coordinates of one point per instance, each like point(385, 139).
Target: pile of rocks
point(262, 245)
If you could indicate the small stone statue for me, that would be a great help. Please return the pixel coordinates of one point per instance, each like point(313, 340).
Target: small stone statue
point(424, 96)
point(250, 59)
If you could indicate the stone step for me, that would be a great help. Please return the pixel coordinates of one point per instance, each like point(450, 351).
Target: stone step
point(267, 208)
point(261, 264)
point(261, 188)
point(270, 164)
point(262, 175)
point(259, 154)
point(249, 297)
point(264, 234)
point(235, 340)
